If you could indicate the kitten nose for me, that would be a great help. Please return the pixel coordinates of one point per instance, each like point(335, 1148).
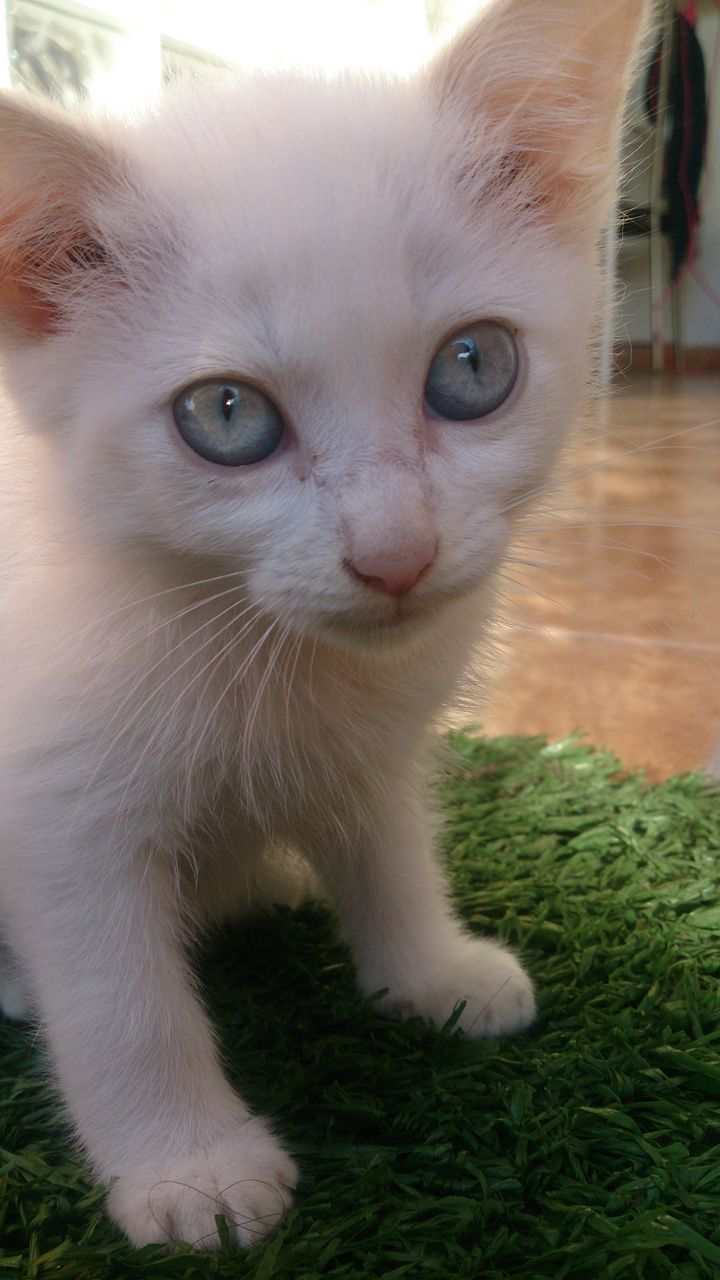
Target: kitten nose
point(395, 575)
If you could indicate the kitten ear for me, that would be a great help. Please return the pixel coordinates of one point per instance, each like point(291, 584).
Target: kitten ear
point(544, 83)
point(52, 173)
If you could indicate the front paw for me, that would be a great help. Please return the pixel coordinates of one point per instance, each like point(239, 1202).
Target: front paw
point(498, 994)
point(247, 1177)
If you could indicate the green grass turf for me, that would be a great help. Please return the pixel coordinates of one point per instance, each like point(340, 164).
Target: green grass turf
point(588, 1148)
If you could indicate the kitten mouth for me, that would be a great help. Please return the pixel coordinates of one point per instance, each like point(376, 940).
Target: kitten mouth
point(402, 616)
point(405, 618)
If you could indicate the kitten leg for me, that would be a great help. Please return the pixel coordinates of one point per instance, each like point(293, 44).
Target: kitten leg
point(403, 936)
point(134, 1054)
point(14, 1002)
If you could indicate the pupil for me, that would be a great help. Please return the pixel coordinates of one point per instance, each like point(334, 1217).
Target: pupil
point(228, 403)
point(469, 353)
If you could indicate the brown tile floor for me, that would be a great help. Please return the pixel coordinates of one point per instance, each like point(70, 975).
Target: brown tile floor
point(616, 624)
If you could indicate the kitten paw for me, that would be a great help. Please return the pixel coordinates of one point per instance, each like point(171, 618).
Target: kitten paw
point(247, 1177)
point(498, 994)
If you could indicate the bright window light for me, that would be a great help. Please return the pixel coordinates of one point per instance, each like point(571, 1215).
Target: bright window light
point(332, 34)
point(116, 54)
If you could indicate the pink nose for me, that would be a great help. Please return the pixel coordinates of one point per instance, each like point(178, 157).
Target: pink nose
point(395, 575)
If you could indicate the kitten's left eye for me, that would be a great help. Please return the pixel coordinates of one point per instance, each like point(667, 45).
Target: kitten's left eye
point(473, 372)
point(233, 423)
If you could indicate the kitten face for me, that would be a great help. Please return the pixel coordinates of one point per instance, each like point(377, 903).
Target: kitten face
point(319, 243)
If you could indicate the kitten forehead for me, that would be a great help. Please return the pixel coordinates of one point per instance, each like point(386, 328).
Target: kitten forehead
point(315, 215)
point(267, 172)
point(290, 137)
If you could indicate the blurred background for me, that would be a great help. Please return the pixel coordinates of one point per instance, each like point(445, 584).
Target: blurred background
point(612, 601)
point(118, 53)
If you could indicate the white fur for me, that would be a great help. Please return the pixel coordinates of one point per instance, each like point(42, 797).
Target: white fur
point(197, 700)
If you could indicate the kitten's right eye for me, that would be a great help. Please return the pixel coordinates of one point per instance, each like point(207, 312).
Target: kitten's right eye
point(233, 423)
point(473, 372)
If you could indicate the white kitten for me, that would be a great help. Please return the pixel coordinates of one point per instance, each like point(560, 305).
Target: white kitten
point(285, 362)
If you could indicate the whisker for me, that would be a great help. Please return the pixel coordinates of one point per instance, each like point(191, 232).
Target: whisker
point(579, 474)
point(623, 639)
point(262, 685)
point(526, 586)
point(162, 725)
point(593, 522)
point(143, 676)
point(157, 595)
point(179, 644)
point(234, 679)
point(297, 651)
point(552, 566)
point(173, 618)
point(682, 448)
point(680, 640)
point(577, 577)
point(627, 547)
point(511, 605)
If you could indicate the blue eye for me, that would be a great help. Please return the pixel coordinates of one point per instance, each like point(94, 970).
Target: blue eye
point(473, 372)
point(232, 423)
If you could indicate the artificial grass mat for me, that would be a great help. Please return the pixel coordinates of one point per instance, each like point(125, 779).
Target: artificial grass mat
point(589, 1147)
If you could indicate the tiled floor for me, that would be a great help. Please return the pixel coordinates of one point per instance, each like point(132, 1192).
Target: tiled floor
point(617, 631)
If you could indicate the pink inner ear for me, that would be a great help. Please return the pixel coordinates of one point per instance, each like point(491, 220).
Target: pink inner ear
point(21, 299)
point(549, 78)
point(50, 174)
point(24, 306)
point(32, 267)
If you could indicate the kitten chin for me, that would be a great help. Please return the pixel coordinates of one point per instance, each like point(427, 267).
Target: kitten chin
point(364, 635)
